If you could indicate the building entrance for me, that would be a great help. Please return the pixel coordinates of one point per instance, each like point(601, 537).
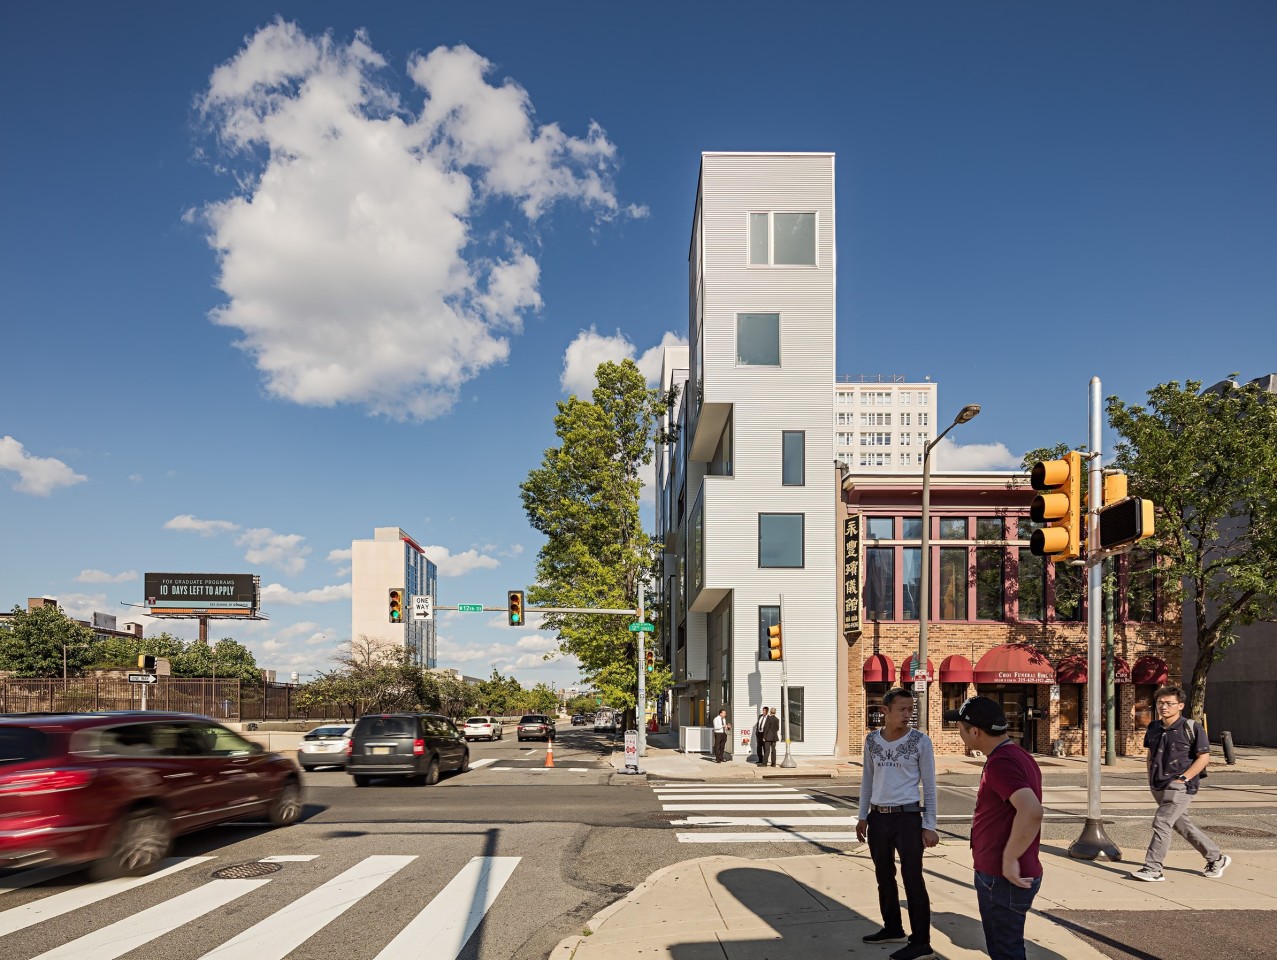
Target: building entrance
point(1019, 703)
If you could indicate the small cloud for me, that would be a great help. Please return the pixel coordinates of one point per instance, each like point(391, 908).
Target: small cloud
point(101, 576)
point(297, 629)
point(974, 456)
point(135, 477)
point(281, 550)
point(583, 355)
point(82, 606)
point(340, 556)
point(456, 565)
point(38, 476)
point(278, 593)
point(205, 528)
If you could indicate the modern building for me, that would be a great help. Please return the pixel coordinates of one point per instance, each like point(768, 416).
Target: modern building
point(392, 561)
point(746, 489)
point(882, 424)
point(1003, 623)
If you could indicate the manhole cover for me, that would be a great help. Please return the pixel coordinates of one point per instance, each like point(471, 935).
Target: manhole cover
point(1249, 833)
point(246, 871)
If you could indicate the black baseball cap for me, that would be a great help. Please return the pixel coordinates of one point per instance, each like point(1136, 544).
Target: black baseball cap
point(980, 712)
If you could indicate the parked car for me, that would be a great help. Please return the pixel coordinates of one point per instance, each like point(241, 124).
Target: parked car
point(535, 726)
point(578, 720)
point(419, 746)
point(114, 789)
point(489, 728)
point(324, 746)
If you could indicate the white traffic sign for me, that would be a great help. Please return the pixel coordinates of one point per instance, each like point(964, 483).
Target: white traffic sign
point(143, 678)
point(631, 748)
point(423, 607)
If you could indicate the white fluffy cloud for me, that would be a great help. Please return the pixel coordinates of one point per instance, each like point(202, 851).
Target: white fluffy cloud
point(973, 456)
point(590, 348)
point(456, 564)
point(101, 576)
point(36, 475)
point(278, 593)
point(351, 261)
point(284, 551)
point(205, 528)
point(82, 606)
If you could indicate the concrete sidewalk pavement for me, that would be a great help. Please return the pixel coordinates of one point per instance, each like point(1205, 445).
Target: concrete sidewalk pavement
point(817, 906)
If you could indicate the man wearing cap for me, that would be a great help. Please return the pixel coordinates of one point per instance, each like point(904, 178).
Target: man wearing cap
point(1005, 829)
point(897, 761)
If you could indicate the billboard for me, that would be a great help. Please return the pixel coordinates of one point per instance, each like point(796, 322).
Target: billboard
point(202, 594)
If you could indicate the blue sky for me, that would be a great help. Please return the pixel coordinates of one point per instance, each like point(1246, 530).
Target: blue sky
point(273, 276)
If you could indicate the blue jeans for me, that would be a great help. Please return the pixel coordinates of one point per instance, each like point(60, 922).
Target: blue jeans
point(1003, 907)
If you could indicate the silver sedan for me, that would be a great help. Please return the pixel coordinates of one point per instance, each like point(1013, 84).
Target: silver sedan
point(324, 747)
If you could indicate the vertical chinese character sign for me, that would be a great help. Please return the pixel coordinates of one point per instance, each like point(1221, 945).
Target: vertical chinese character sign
point(851, 574)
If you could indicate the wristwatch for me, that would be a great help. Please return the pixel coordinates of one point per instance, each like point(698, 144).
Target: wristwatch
point(1182, 777)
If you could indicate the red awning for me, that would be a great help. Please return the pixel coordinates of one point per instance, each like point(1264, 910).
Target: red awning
point(879, 669)
point(955, 669)
point(1014, 663)
point(906, 672)
point(1150, 670)
point(1071, 670)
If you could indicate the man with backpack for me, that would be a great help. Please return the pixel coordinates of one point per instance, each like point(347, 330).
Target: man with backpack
point(1178, 752)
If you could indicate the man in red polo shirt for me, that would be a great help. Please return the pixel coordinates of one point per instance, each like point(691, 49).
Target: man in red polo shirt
point(1006, 827)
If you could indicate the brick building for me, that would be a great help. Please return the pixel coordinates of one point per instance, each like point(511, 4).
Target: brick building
point(1003, 623)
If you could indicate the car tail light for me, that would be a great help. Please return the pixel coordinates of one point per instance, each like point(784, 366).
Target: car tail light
point(350, 747)
point(31, 782)
point(418, 747)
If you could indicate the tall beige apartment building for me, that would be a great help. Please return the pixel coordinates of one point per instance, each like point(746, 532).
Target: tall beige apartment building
point(883, 423)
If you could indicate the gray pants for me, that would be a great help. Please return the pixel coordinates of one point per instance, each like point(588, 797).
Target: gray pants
point(1172, 814)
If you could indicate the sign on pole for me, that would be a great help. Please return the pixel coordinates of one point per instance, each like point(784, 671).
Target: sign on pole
point(142, 678)
point(642, 628)
point(470, 608)
point(423, 607)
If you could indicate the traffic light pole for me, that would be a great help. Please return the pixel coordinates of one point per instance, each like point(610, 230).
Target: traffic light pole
point(788, 762)
point(640, 709)
point(1093, 840)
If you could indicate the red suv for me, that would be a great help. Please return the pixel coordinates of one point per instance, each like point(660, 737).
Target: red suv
point(116, 788)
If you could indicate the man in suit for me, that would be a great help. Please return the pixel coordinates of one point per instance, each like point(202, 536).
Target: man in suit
point(759, 744)
point(771, 733)
point(721, 729)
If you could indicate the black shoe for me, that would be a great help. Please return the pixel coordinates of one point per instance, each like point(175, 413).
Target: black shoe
point(913, 952)
point(884, 936)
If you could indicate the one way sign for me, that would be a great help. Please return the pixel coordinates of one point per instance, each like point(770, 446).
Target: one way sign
point(142, 678)
point(423, 607)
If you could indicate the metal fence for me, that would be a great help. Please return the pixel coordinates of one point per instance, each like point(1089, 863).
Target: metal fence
point(220, 699)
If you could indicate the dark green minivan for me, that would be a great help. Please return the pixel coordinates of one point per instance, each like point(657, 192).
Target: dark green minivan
point(418, 746)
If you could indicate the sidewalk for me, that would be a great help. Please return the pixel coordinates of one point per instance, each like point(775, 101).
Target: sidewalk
point(800, 908)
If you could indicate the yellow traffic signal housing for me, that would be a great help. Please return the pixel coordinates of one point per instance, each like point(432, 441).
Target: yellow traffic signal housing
point(1125, 523)
point(1059, 506)
point(145, 661)
point(396, 605)
point(514, 608)
point(774, 643)
point(651, 660)
point(1115, 488)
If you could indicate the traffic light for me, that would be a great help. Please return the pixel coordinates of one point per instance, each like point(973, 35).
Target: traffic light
point(651, 660)
point(396, 605)
point(514, 608)
point(774, 651)
point(1060, 506)
point(145, 661)
point(1125, 523)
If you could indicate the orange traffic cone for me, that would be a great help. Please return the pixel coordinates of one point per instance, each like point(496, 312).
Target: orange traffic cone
point(549, 753)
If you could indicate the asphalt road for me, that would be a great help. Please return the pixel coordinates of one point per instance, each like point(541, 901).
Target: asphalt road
point(562, 842)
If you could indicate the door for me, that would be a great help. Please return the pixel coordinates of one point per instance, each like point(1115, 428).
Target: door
point(228, 764)
point(1012, 699)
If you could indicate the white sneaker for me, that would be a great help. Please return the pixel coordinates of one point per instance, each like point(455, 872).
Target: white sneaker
point(1216, 868)
point(1144, 873)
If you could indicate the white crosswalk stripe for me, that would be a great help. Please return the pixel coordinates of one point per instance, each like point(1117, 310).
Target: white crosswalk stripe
point(777, 814)
point(439, 931)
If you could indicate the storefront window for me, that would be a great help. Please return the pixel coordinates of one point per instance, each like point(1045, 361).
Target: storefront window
point(990, 528)
point(1068, 593)
point(880, 590)
point(878, 528)
point(953, 528)
point(954, 694)
point(1070, 705)
point(953, 583)
point(911, 528)
point(989, 577)
point(875, 715)
point(1031, 584)
point(912, 581)
point(1143, 709)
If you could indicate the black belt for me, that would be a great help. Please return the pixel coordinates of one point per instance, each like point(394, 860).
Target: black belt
point(903, 808)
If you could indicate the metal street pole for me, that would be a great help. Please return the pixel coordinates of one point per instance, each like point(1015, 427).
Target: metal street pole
point(788, 762)
point(641, 709)
point(1110, 680)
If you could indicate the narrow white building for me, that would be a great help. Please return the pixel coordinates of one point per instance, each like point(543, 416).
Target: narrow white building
point(748, 487)
point(882, 424)
point(392, 562)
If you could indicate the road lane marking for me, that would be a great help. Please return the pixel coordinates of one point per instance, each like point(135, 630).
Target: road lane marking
point(291, 858)
point(19, 918)
point(476, 764)
point(767, 836)
point(441, 930)
point(764, 822)
point(120, 937)
point(287, 929)
point(676, 807)
point(734, 796)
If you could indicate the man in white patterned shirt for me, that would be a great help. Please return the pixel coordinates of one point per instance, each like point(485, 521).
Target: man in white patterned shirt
point(897, 760)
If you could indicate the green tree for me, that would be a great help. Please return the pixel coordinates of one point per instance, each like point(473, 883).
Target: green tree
point(584, 498)
point(227, 659)
point(543, 699)
point(369, 679)
point(121, 653)
point(1208, 461)
point(498, 695)
point(581, 704)
point(33, 642)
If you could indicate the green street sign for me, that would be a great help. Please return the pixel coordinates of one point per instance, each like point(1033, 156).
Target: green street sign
point(470, 608)
point(642, 628)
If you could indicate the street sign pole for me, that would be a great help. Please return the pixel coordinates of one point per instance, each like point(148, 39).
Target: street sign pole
point(640, 712)
point(788, 762)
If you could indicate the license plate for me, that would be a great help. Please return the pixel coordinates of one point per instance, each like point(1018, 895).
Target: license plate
point(380, 750)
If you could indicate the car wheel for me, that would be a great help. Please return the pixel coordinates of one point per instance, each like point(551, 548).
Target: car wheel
point(432, 772)
point(361, 780)
point(287, 808)
point(143, 838)
point(308, 769)
point(465, 763)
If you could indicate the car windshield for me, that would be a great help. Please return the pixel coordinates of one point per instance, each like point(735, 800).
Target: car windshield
point(533, 718)
point(478, 721)
point(327, 733)
point(386, 727)
point(19, 744)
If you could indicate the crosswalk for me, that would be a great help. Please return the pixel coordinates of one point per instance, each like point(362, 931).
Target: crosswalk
point(770, 813)
point(438, 931)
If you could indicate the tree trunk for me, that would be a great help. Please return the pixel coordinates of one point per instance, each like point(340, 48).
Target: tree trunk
point(1197, 683)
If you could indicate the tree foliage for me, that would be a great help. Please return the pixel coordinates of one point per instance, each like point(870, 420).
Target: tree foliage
point(1208, 461)
point(32, 643)
point(370, 679)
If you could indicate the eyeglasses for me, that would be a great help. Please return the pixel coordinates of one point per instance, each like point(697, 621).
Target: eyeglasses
point(1167, 704)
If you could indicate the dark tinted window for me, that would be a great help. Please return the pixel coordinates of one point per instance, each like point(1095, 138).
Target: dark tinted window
point(132, 740)
point(21, 743)
point(326, 733)
point(386, 727)
point(533, 718)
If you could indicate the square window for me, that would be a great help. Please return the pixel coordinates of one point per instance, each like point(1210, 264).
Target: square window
point(878, 528)
point(989, 528)
point(794, 239)
point(793, 445)
point(780, 539)
point(758, 339)
point(953, 528)
point(912, 528)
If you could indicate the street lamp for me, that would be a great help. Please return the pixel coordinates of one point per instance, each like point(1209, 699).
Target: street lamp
point(969, 412)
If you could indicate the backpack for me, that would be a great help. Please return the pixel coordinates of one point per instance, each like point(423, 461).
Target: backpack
point(1190, 727)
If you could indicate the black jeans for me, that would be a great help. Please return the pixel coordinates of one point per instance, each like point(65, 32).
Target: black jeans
point(889, 834)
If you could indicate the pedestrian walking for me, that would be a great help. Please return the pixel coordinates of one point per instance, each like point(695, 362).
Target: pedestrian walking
point(759, 746)
point(721, 730)
point(899, 764)
point(771, 733)
point(1006, 827)
point(1178, 752)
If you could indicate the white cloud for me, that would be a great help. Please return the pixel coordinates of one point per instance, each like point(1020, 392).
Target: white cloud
point(82, 606)
point(456, 564)
point(350, 260)
point(649, 363)
point(39, 476)
point(278, 593)
point(341, 556)
point(135, 477)
point(297, 629)
point(541, 644)
point(281, 550)
point(205, 528)
point(590, 348)
point(101, 576)
point(948, 455)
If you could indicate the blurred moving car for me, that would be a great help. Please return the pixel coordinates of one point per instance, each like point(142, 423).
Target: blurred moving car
point(324, 746)
point(604, 720)
point(578, 720)
point(535, 726)
point(114, 789)
point(488, 727)
point(419, 746)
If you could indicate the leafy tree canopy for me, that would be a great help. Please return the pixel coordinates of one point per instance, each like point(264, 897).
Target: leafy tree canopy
point(32, 643)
